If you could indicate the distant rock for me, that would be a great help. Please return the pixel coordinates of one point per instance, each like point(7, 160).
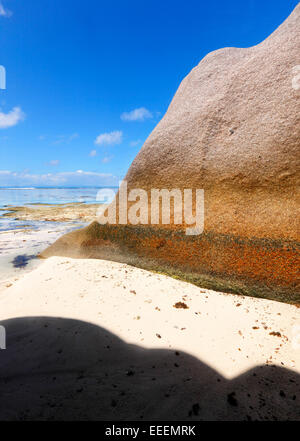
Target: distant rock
point(232, 129)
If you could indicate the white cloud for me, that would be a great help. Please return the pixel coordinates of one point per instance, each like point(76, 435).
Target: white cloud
point(137, 115)
point(54, 162)
point(4, 12)
point(76, 178)
point(109, 138)
point(93, 153)
point(11, 118)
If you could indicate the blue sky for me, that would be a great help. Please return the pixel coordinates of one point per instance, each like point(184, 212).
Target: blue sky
point(87, 81)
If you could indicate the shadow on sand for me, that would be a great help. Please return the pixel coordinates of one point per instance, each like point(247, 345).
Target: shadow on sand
point(63, 369)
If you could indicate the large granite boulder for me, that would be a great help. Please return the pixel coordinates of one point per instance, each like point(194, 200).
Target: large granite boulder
point(232, 129)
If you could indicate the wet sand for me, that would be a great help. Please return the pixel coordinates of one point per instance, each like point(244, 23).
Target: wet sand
point(52, 212)
point(27, 230)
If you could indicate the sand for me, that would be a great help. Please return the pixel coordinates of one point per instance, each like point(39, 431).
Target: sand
point(93, 339)
point(21, 242)
point(52, 212)
point(27, 230)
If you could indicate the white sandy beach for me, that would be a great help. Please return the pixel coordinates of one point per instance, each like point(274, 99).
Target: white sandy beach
point(26, 242)
point(26, 230)
point(111, 332)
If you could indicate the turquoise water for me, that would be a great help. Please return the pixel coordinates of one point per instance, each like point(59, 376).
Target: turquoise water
point(59, 195)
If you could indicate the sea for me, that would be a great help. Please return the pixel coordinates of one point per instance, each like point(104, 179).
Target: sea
point(21, 241)
point(19, 196)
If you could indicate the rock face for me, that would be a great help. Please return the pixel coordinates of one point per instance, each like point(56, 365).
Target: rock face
point(232, 129)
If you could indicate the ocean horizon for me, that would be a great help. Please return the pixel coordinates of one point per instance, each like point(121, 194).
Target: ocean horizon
point(19, 196)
